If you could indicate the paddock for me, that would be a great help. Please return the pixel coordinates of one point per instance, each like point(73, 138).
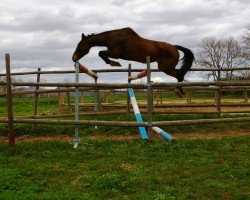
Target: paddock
point(149, 87)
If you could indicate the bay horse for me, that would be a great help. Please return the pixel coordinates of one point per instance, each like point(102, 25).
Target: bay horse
point(126, 44)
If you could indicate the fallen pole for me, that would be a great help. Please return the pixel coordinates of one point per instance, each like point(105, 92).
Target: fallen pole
point(162, 133)
point(138, 117)
point(137, 113)
point(147, 73)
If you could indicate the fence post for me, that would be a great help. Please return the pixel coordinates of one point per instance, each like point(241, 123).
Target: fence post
point(150, 98)
point(36, 95)
point(245, 95)
point(128, 96)
point(68, 100)
point(60, 101)
point(81, 97)
point(218, 94)
point(9, 102)
point(96, 97)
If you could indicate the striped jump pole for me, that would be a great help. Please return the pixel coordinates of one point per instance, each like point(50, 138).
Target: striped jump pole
point(162, 133)
point(137, 113)
point(78, 68)
point(138, 76)
point(87, 71)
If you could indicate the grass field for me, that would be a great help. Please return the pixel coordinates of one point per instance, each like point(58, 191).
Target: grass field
point(215, 168)
point(183, 169)
point(25, 107)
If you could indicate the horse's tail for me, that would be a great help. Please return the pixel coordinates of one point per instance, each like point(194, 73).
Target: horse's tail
point(187, 61)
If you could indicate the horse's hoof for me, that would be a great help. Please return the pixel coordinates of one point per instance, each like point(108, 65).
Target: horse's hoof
point(115, 64)
point(178, 93)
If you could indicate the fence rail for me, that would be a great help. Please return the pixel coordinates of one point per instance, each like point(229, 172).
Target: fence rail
point(128, 124)
point(118, 70)
point(149, 87)
point(132, 85)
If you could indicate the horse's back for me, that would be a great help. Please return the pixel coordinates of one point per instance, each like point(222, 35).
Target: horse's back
point(130, 31)
point(122, 32)
point(134, 47)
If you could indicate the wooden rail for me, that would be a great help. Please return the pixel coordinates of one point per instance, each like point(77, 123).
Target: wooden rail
point(149, 87)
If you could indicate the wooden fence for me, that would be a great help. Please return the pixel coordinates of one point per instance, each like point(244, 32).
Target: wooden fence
point(149, 86)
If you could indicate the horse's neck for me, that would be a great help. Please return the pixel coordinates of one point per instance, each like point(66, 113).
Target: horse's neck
point(98, 40)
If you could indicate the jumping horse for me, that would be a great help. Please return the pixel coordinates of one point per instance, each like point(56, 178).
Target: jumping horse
point(128, 45)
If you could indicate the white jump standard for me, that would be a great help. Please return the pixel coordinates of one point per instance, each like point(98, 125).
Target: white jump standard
point(85, 70)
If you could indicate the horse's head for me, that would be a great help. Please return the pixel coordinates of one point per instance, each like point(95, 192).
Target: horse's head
point(82, 49)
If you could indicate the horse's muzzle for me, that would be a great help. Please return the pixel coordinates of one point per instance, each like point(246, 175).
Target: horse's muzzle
point(74, 58)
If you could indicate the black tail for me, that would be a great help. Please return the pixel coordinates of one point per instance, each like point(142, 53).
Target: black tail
point(187, 61)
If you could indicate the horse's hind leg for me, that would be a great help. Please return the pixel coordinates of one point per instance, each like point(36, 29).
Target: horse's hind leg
point(105, 56)
point(168, 67)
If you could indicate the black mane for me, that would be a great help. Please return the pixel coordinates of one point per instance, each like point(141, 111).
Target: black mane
point(91, 34)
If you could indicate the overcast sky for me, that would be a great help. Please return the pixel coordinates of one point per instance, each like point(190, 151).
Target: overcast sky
point(44, 33)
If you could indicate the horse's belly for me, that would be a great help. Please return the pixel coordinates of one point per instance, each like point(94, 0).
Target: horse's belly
point(138, 55)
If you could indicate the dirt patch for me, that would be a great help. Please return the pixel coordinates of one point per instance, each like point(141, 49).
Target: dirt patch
point(66, 138)
point(128, 166)
point(212, 135)
point(28, 138)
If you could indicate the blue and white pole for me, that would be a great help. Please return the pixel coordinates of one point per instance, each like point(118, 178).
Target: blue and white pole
point(138, 117)
point(137, 113)
point(162, 133)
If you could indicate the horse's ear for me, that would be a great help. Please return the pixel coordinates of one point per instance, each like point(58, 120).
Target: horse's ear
point(83, 36)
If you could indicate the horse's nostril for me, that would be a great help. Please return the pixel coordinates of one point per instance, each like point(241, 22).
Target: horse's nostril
point(74, 58)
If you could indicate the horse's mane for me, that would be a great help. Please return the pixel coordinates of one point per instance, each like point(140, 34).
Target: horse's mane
point(126, 31)
point(91, 34)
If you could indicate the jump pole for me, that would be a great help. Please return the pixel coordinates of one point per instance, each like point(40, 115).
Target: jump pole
point(137, 113)
point(162, 133)
point(78, 68)
point(87, 71)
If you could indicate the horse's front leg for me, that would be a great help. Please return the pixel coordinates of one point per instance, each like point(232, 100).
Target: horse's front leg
point(105, 56)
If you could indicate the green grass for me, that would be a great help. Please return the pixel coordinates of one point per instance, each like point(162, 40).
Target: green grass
point(183, 169)
point(24, 129)
point(25, 106)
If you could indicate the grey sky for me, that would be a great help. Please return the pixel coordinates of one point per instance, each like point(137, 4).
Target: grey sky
point(44, 33)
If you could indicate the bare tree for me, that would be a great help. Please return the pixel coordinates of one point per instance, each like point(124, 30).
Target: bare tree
point(2, 87)
point(246, 43)
point(209, 55)
point(233, 56)
point(13, 80)
point(220, 53)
